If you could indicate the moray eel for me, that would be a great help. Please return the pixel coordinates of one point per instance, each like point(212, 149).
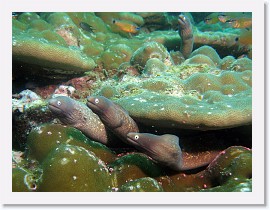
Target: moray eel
point(113, 116)
point(164, 150)
point(76, 114)
point(186, 34)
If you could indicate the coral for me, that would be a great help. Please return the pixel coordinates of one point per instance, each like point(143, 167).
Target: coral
point(47, 137)
point(153, 67)
point(56, 59)
point(22, 180)
point(146, 184)
point(71, 168)
point(200, 59)
point(134, 166)
point(226, 62)
point(241, 64)
point(177, 57)
point(196, 111)
point(147, 51)
point(156, 85)
point(23, 123)
point(208, 51)
point(224, 171)
point(63, 90)
point(115, 55)
point(28, 17)
point(25, 100)
point(108, 91)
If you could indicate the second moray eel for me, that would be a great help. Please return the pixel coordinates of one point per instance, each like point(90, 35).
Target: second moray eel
point(113, 116)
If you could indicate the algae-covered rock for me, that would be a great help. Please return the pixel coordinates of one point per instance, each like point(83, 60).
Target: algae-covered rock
point(44, 139)
point(146, 184)
point(74, 169)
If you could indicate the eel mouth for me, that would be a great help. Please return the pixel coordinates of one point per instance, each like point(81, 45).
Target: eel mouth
point(93, 107)
point(182, 20)
point(132, 141)
point(54, 108)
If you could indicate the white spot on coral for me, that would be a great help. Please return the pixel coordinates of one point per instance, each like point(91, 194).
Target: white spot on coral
point(70, 150)
point(162, 109)
point(209, 112)
point(49, 133)
point(74, 178)
point(155, 104)
point(64, 161)
point(229, 106)
point(132, 104)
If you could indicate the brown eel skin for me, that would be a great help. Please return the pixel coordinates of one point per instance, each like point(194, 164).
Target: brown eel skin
point(186, 34)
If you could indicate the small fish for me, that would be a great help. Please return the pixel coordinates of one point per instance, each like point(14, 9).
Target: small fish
point(243, 22)
point(212, 18)
point(126, 26)
point(245, 37)
point(225, 16)
point(86, 27)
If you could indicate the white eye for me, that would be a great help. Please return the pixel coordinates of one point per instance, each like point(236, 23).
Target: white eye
point(96, 101)
point(136, 137)
point(58, 103)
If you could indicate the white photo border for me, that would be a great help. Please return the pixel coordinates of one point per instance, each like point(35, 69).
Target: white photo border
point(257, 196)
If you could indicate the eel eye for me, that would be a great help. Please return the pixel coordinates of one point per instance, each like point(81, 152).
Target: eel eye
point(136, 137)
point(96, 101)
point(58, 103)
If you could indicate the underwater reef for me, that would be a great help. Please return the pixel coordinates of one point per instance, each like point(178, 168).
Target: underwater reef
point(131, 102)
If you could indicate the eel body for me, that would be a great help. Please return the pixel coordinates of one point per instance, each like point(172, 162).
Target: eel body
point(165, 150)
point(114, 117)
point(78, 115)
point(186, 34)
